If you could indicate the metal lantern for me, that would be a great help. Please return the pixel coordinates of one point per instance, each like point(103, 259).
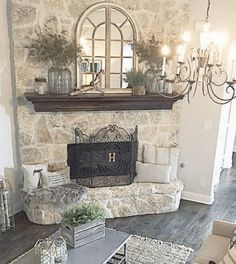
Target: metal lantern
point(45, 251)
point(6, 206)
point(61, 250)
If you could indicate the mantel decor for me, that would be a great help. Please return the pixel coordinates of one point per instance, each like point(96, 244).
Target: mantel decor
point(113, 102)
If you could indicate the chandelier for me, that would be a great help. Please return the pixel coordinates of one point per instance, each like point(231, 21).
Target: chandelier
point(200, 68)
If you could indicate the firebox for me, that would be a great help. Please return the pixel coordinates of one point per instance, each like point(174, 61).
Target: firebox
point(106, 158)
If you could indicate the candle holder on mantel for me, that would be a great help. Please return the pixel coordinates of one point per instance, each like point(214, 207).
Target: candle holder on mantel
point(7, 219)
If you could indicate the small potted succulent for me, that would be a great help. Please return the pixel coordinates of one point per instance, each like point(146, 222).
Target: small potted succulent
point(54, 49)
point(136, 80)
point(83, 224)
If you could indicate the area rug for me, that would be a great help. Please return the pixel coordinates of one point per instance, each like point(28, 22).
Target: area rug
point(140, 250)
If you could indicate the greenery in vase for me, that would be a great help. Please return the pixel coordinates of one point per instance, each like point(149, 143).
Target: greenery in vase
point(149, 51)
point(83, 214)
point(135, 78)
point(54, 48)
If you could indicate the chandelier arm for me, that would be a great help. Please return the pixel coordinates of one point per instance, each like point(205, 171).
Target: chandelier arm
point(184, 92)
point(215, 97)
point(222, 72)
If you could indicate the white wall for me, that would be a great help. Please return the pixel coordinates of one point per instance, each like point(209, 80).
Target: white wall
point(200, 138)
point(235, 143)
point(8, 160)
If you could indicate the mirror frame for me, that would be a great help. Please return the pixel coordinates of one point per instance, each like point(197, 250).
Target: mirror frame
point(78, 30)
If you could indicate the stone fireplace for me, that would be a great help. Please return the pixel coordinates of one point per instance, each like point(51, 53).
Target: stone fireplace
point(44, 136)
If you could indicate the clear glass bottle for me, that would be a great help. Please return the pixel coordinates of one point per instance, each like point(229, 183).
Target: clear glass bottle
point(59, 80)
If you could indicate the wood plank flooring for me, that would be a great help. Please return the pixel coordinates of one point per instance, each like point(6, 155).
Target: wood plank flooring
point(189, 226)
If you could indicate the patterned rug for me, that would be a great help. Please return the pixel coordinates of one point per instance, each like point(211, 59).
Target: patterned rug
point(140, 250)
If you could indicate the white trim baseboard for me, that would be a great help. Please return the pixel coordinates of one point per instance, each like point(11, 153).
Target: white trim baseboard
point(197, 197)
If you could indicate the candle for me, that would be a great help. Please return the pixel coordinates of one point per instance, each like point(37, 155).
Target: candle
point(232, 75)
point(233, 62)
point(163, 66)
point(165, 51)
point(181, 52)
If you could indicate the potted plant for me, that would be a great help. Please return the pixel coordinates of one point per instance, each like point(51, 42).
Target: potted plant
point(136, 80)
point(54, 49)
point(150, 52)
point(83, 224)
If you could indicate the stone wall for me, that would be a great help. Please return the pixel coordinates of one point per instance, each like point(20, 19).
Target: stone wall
point(44, 136)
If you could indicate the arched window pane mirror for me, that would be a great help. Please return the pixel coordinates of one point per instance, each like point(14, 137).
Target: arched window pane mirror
point(106, 33)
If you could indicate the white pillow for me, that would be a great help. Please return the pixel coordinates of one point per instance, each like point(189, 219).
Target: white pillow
point(32, 175)
point(147, 172)
point(56, 178)
point(168, 156)
point(149, 154)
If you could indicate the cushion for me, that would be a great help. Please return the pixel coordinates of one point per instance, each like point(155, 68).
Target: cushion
point(32, 175)
point(56, 178)
point(149, 154)
point(168, 156)
point(233, 240)
point(213, 248)
point(148, 172)
point(230, 256)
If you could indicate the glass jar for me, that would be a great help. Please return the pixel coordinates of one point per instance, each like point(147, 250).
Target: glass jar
point(59, 80)
point(40, 85)
point(61, 250)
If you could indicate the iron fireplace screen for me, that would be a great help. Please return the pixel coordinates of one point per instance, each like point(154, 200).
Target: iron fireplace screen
point(105, 159)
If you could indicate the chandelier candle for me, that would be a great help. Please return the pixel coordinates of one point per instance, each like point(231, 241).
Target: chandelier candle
point(165, 51)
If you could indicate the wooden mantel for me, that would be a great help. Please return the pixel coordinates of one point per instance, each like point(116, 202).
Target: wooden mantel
point(66, 103)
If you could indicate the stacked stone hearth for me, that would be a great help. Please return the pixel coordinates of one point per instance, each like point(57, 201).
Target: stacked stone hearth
point(44, 136)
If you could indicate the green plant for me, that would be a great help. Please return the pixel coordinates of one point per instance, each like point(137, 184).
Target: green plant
point(54, 48)
point(135, 78)
point(83, 214)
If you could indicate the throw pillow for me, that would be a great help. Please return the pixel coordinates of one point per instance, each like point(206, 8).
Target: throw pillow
point(233, 240)
point(56, 178)
point(147, 172)
point(33, 175)
point(230, 256)
point(168, 156)
point(149, 154)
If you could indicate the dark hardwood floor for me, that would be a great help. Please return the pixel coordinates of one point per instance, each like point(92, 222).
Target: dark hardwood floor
point(189, 226)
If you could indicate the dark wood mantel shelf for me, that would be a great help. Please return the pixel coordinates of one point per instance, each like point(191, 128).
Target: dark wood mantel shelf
point(65, 103)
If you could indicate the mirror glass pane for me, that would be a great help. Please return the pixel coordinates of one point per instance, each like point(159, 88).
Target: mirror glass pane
point(127, 49)
point(124, 83)
point(115, 65)
point(97, 17)
point(87, 30)
point(115, 81)
point(86, 46)
point(100, 32)
point(127, 64)
point(117, 17)
point(115, 33)
point(116, 48)
point(99, 48)
point(127, 31)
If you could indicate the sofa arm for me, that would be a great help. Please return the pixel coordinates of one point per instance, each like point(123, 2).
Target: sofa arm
point(224, 229)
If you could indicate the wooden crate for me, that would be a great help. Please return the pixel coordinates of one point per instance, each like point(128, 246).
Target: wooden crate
point(83, 234)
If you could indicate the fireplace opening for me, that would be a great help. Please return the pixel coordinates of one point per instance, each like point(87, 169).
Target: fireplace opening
point(106, 158)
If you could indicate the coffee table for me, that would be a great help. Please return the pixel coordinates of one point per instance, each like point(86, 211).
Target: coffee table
point(101, 251)
point(108, 250)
